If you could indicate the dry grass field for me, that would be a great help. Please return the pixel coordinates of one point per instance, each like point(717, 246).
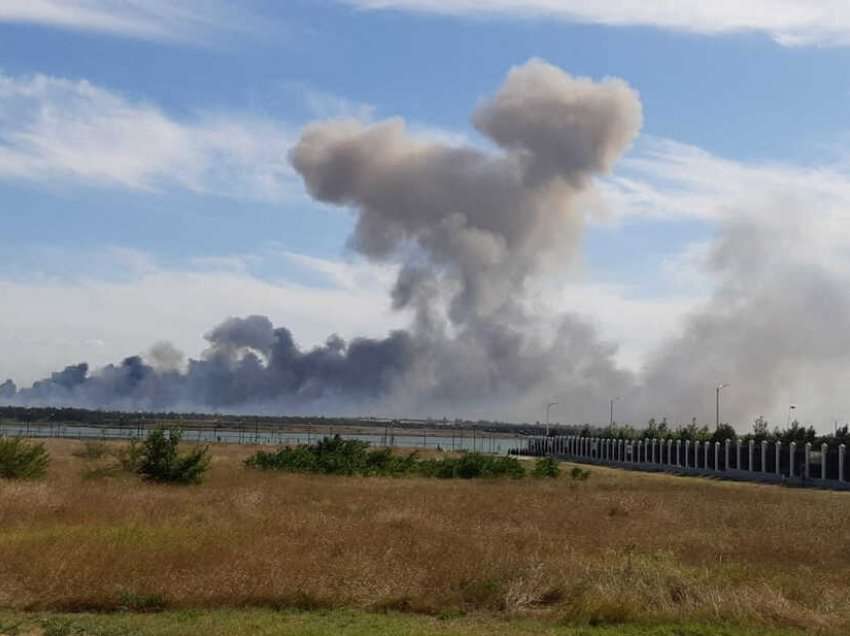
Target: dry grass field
point(619, 548)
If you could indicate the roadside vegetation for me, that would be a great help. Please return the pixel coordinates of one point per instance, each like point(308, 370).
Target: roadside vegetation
point(337, 456)
point(760, 431)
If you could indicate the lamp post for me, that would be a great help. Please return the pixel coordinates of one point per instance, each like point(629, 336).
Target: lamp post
point(717, 405)
point(791, 407)
point(548, 408)
point(611, 419)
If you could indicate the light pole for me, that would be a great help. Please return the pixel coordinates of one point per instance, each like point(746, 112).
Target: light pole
point(791, 407)
point(717, 405)
point(548, 408)
point(611, 419)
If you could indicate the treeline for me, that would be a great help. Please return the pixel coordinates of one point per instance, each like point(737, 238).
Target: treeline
point(128, 419)
point(760, 431)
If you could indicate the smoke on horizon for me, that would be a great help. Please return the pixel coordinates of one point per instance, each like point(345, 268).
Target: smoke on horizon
point(470, 229)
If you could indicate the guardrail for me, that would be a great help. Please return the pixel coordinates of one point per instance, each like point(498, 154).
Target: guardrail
point(766, 461)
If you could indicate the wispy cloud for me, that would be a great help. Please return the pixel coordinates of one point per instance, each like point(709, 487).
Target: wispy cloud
point(321, 104)
point(789, 22)
point(53, 128)
point(808, 205)
point(187, 20)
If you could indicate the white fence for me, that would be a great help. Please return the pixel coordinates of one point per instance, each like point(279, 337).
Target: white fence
point(770, 461)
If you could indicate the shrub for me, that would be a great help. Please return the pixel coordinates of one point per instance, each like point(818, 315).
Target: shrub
point(91, 451)
point(546, 467)
point(158, 459)
point(20, 459)
point(579, 474)
point(471, 466)
point(336, 456)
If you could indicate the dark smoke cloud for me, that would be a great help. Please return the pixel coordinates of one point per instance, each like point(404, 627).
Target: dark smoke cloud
point(468, 228)
point(248, 363)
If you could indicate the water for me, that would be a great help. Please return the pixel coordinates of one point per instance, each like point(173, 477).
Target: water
point(455, 440)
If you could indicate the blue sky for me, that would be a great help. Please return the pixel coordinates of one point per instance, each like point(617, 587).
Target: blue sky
point(145, 191)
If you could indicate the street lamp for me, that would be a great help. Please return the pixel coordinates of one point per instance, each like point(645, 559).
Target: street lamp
point(611, 420)
point(791, 407)
point(717, 405)
point(548, 408)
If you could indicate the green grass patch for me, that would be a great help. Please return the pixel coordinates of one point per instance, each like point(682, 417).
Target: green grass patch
point(331, 622)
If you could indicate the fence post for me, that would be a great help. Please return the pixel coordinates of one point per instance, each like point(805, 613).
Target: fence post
point(841, 450)
point(808, 463)
point(750, 448)
point(778, 458)
point(737, 454)
point(678, 452)
point(687, 447)
point(726, 446)
point(764, 456)
point(717, 457)
point(792, 450)
point(670, 452)
point(696, 453)
point(823, 449)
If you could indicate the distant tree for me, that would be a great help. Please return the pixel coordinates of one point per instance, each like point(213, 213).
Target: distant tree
point(797, 433)
point(760, 429)
point(722, 433)
point(692, 432)
point(842, 435)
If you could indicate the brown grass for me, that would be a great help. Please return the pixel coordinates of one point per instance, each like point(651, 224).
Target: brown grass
point(618, 548)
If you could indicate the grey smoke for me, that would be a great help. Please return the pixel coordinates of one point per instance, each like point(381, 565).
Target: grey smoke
point(480, 221)
point(468, 227)
point(775, 330)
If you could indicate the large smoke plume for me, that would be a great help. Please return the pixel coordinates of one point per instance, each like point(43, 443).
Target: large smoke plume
point(470, 228)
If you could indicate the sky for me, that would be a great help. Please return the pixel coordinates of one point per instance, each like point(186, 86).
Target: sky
point(147, 193)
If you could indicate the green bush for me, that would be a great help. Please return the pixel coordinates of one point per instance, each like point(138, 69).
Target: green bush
point(579, 474)
point(20, 459)
point(336, 456)
point(158, 459)
point(472, 466)
point(546, 467)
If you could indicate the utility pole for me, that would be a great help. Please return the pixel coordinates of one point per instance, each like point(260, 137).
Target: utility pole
point(717, 405)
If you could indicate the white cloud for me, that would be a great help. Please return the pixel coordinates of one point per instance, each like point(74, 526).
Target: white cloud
point(807, 208)
point(52, 128)
point(186, 20)
point(789, 22)
point(61, 321)
point(325, 105)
